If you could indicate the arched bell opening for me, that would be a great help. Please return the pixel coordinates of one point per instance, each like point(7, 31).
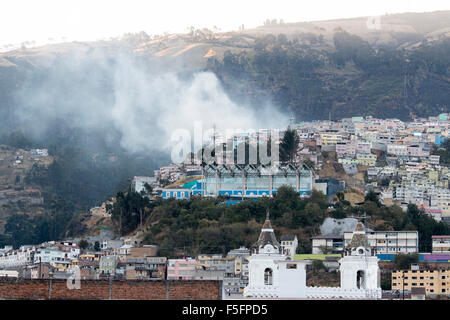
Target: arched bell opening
point(360, 279)
point(268, 273)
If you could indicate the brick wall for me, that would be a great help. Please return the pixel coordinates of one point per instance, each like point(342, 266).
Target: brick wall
point(11, 288)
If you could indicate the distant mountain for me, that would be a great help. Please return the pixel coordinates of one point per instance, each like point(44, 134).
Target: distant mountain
point(389, 66)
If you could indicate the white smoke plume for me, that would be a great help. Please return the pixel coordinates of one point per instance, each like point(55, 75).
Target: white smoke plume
point(144, 105)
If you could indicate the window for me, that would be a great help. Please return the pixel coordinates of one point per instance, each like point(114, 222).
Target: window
point(268, 276)
point(291, 266)
point(360, 279)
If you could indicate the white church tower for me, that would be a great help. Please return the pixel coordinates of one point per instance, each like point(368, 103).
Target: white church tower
point(359, 265)
point(273, 274)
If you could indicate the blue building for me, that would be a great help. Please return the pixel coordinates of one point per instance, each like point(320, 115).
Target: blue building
point(244, 182)
point(178, 193)
point(251, 181)
point(438, 140)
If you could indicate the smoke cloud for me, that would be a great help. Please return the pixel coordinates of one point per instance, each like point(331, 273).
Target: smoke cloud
point(142, 102)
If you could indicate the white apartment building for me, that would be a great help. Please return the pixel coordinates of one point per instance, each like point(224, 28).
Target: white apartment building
point(17, 258)
point(386, 139)
point(139, 182)
point(397, 149)
point(423, 195)
point(440, 244)
point(440, 197)
point(332, 243)
point(50, 255)
point(389, 241)
point(6, 249)
point(166, 171)
point(289, 245)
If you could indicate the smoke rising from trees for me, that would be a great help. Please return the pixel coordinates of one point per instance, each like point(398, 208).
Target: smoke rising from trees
point(141, 102)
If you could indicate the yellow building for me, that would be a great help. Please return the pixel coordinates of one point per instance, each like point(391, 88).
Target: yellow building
point(238, 265)
point(434, 281)
point(90, 256)
point(63, 265)
point(330, 138)
point(366, 159)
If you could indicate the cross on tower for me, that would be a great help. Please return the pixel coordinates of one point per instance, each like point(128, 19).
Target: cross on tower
point(359, 218)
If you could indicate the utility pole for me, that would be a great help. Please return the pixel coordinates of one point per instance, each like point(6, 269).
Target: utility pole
point(403, 284)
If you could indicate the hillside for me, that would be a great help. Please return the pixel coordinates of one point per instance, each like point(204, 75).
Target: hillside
point(312, 70)
point(106, 109)
point(190, 227)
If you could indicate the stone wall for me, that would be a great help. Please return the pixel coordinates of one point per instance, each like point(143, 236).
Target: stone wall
point(19, 288)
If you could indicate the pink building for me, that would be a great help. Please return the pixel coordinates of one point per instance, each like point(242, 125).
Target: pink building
point(417, 151)
point(346, 148)
point(181, 269)
point(363, 146)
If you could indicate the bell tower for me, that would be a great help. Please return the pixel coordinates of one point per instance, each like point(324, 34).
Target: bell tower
point(273, 274)
point(359, 266)
point(267, 242)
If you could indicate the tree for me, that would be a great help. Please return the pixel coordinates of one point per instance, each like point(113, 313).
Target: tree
point(403, 261)
point(425, 225)
point(385, 182)
point(372, 196)
point(287, 195)
point(326, 250)
point(83, 244)
point(97, 246)
point(443, 152)
point(148, 188)
point(289, 145)
point(338, 214)
point(386, 281)
point(318, 265)
point(310, 164)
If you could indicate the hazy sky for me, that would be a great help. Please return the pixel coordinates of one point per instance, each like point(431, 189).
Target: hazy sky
point(54, 20)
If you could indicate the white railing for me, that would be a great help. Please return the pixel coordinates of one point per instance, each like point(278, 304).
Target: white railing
point(261, 291)
point(337, 292)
